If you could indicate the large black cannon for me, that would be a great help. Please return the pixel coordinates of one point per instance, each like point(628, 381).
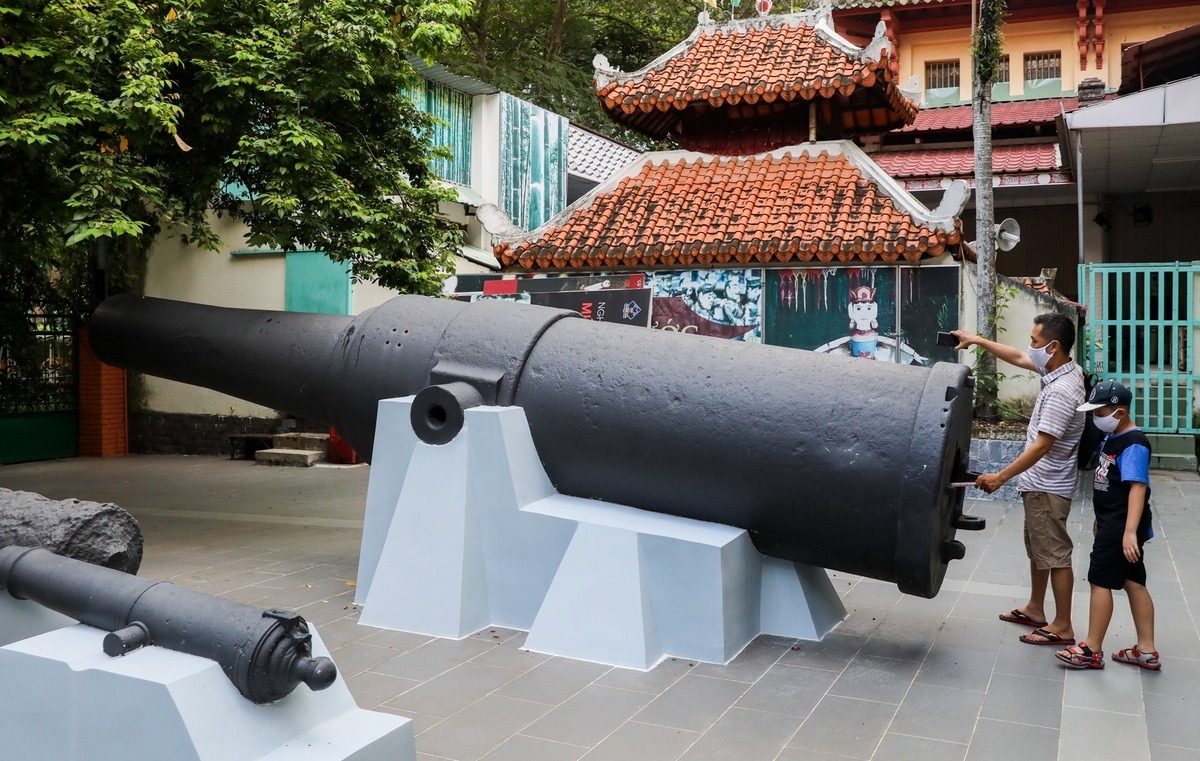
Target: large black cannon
point(265, 653)
point(831, 461)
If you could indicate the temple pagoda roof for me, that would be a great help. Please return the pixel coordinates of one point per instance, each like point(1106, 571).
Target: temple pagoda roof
point(817, 202)
point(754, 68)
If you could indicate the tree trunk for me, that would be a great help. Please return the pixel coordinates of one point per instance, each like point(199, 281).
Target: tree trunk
point(555, 43)
point(985, 60)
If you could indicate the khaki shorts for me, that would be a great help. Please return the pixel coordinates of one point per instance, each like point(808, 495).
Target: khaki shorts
point(1047, 542)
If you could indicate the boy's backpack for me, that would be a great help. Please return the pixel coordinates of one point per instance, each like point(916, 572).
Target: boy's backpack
point(1088, 455)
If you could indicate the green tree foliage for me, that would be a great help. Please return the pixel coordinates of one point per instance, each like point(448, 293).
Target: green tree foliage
point(122, 119)
point(542, 50)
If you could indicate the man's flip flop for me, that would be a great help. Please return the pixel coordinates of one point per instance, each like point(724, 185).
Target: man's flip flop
point(1015, 616)
point(1047, 638)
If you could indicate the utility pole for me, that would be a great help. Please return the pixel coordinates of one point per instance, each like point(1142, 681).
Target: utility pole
point(986, 50)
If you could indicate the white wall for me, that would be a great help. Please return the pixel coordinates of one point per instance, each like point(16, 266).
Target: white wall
point(1015, 321)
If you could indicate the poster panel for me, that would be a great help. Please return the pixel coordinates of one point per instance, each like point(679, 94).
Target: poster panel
point(626, 306)
point(719, 303)
point(890, 314)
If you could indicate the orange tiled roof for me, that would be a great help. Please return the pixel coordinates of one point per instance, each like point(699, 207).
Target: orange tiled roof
point(762, 63)
point(824, 202)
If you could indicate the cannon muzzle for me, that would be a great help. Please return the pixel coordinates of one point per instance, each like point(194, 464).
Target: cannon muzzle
point(265, 653)
point(831, 461)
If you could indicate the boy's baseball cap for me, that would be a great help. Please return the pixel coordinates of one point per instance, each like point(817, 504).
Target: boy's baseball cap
point(1107, 394)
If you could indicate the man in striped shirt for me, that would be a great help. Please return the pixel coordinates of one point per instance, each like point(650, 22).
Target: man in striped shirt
point(1046, 470)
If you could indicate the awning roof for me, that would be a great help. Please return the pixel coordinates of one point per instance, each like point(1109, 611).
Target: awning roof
point(1144, 142)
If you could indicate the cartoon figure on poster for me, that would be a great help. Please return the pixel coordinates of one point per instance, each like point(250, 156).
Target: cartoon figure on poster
point(864, 340)
point(885, 313)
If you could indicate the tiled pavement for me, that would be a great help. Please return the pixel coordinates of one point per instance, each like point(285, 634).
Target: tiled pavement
point(901, 678)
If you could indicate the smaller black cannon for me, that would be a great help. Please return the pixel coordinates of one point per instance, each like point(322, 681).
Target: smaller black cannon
point(265, 653)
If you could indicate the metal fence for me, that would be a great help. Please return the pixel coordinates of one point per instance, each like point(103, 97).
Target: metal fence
point(1141, 330)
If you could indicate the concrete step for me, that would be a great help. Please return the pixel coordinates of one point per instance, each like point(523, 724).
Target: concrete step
point(295, 457)
point(1172, 443)
point(317, 442)
point(1173, 462)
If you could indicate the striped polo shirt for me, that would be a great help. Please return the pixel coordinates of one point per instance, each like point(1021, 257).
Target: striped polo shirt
point(1055, 414)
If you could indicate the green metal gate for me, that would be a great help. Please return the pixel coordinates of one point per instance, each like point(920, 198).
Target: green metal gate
point(1141, 330)
point(39, 401)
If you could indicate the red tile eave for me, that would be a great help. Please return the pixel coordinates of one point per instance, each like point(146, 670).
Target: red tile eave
point(761, 211)
point(1004, 114)
point(960, 162)
point(767, 64)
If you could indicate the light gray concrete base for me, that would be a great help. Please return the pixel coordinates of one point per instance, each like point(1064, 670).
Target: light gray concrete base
point(474, 536)
point(64, 699)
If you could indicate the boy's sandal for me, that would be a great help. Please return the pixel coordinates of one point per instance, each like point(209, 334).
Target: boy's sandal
point(1138, 658)
point(1081, 657)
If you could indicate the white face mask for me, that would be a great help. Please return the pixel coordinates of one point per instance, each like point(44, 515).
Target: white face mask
point(1108, 423)
point(1040, 358)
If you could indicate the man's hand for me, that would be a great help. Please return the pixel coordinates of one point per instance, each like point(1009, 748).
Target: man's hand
point(1129, 544)
point(965, 339)
point(989, 482)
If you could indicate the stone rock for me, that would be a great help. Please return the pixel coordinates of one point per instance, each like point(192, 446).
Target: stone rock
point(98, 533)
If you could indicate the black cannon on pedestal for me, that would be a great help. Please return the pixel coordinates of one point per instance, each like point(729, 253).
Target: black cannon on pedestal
point(832, 461)
point(265, 653)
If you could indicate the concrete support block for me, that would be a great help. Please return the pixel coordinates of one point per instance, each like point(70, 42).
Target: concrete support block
point(64, 699)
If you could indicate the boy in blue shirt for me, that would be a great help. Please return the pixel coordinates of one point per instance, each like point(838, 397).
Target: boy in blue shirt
point(1121, 500)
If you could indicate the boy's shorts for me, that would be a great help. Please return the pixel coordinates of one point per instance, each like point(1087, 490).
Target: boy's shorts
point(1109, 568)
point(1047, 541)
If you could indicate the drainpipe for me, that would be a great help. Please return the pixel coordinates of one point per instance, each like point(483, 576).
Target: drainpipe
point(1079, 186)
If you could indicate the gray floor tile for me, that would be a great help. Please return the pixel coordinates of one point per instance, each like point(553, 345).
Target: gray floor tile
point(432, 658)
point(554, 680)
point(833, 653)
point(371, 690)
point(522, 748)
point(1171, 753)
point(1005, 741)
point(972, 633)
point(870, 593)
point(359, 656)
point(479, 729)
point(1171, 720)
point(862, 621)
point(654, 682)
point(511, 658)
point(871, 678)
point(589, 716)
point(938, 713)
point(743, 735)
point(983, 606)
point(751, 663)
point(644, 742)
point(1024, 700)
point(844, 726)
point(1115, 688)
point(1178, 677)
point(451, 691)
point(898, 747)
point(694, 703)
point(788, 690)
point(1087, 735)
point(1019, 659)
point(965, 669)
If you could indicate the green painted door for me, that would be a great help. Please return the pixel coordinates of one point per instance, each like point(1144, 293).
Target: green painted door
point(315, 283)
point(39, 412)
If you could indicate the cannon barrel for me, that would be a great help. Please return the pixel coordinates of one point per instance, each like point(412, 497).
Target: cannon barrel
point(831, 461)
point(265, 653)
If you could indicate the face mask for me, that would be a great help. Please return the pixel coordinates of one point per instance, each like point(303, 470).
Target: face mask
point(1108, 423)
point(1040, 358)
